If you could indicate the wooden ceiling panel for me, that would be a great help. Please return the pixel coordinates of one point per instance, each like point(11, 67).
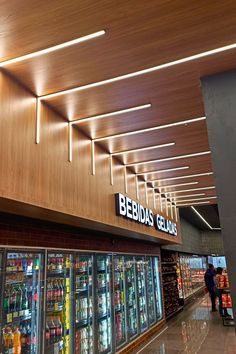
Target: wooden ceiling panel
point(197, 163)
point(181, 89)
point(190, 138)
point(203, 180)
point(138, 35)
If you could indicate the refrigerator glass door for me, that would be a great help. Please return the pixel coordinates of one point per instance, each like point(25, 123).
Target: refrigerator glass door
point(158, 297)
point(141, 289)
point(103, 300)
point(150, 292)
point(131, 297)
point(58, 329)
point(22, 299)
point(119, 300)
point(84, 314)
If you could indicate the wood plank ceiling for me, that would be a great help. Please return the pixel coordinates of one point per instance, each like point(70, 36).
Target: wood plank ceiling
point(139, 35)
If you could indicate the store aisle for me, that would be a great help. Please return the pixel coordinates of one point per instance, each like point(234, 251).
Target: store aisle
point(194, 331)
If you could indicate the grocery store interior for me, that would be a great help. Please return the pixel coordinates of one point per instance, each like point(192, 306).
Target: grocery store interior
point(117, 165)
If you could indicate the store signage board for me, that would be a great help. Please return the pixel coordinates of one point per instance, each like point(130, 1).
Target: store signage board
point(132, 210)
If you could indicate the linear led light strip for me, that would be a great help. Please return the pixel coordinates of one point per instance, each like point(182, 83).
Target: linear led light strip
point(140, 131)
point(125, 152)
point(189, 195)
point(162, 171)
point(144, 71)
point(188, 204)
point(52, 49)
point(194, 199)
point(182, 177)
point(204, 220)
point(169, 158)
point(148, 130)
point(190, 190)
point(110, 114)
point(123, 111)
point(142, 149)
point(176, 185)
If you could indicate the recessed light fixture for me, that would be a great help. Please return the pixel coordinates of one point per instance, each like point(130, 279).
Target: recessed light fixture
point(169, 158)
point(176, 185)
point(193, 203)
point(182, 177)
point(115, 113)
point(134, 132)
point(189, 195)
point(204, 220)
point(144, 71)
point(52, 49)
point(191, 190)
point(142, 149)
point(162, 171)
point(194, 199)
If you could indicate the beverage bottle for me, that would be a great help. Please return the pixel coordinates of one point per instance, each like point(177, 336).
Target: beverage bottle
point(17, 341)
point(52, 331)
point(28, 337)
point(49, 293)
point(24, 298)
point(6, 300)
point(18, 298)
point(58, 326)
point(55, 292)
point(13, 299)
point(23, 337)
point(61, 291)
point(29, 265)
point(47, 333)
point(24, 265)
point(10, 340)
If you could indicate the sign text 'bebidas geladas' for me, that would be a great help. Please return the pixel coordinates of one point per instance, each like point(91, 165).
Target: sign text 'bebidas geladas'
point(130, 209)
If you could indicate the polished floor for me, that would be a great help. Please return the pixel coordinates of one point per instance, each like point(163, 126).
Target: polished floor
point(195, 330)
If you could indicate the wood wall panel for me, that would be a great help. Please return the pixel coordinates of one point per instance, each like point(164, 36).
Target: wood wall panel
point(41, 175)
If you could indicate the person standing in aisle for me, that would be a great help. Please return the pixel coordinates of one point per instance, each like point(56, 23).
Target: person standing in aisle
point(223, 311)
point(209, 278)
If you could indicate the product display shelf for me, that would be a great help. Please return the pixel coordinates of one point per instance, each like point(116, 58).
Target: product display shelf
point(170, 283)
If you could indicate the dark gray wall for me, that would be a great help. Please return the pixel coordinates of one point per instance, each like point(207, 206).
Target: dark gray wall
point(196, 241)
point(212, 242)
point(220, 106)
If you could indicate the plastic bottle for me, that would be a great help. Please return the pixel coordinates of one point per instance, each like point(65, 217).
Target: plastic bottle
point(17, 341)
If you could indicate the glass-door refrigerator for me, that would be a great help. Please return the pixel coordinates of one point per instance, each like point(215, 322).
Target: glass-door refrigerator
point(84, 311)
point(131, 297)
point(157, 287)
point(119, 301)
point(22, 302)
point(150, 292)
point(103, 304)
point(58, 326)
point(141, 290)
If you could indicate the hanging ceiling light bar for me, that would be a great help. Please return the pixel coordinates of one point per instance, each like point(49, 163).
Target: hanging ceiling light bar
point(140, 131)
point(144, 71)
point(189, 195)
point(142, 149)
point(190, 190)
point(204, 220)
point(189, 204)
point(169, 158)
point(115, 113)
point(52, 49)
point(162, 171)
point(194, 199)
point(176, 185)
point(181, 177)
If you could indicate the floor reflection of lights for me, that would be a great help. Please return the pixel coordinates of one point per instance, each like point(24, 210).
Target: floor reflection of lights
point(194, 331)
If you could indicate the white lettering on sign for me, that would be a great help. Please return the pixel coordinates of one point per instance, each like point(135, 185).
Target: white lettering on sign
point(130, 209)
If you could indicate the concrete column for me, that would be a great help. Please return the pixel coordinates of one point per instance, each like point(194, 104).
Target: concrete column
point(219, 92)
